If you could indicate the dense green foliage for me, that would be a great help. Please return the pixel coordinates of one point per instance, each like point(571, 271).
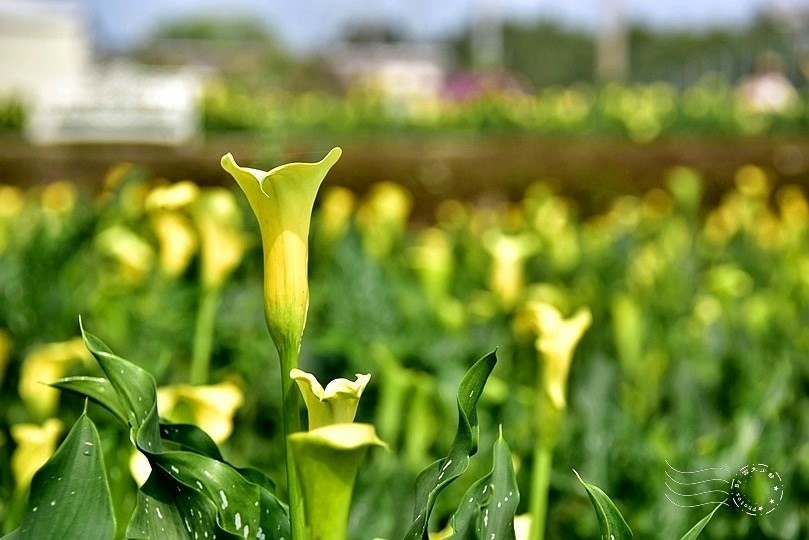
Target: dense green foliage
point(641, 112)
point(697, 353)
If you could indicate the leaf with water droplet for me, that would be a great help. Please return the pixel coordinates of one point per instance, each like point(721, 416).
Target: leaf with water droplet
point(488, 507)
point(610, 521)
point(169, 510)
point(433, 479)
point(98, 389)
point(136, 390)
point(73, 483)
point(190, 438)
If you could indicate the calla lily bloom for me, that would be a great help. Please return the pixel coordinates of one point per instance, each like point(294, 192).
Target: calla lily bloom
point(556, 341)
point(211, 407)
point(327, 460)
point(336, 404)
point(222, 243)
point(35, 445)
point(328, 456)
point(282, 200)
point(48, 362)
point(509, 253)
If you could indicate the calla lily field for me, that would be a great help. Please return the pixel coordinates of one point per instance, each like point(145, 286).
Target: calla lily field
point(280, 358)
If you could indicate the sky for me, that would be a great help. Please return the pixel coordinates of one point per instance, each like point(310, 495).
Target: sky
point(310, 24)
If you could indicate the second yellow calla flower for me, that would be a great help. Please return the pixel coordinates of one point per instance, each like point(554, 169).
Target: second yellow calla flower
point(336, 404)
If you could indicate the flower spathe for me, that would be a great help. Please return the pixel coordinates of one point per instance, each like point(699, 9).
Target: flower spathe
point(328, 456)
point(282, 200)
point(556, 341)
point(336, 404)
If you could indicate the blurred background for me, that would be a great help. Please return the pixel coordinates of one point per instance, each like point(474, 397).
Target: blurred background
point(648, 160)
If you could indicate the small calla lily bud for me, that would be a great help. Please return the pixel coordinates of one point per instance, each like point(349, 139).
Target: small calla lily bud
point(282, 200)
point(336, 404)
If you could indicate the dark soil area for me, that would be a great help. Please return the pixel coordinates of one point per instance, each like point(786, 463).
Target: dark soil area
point(479, 169)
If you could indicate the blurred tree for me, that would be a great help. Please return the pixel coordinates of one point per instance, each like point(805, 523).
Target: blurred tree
point(238, 48)
point(547, 54)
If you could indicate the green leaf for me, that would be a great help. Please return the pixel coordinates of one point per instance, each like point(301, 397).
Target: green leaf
point(169, 510)
point(70, 497)
point(488, 507)
point(610, 521)
point(696, 529)
point(98, 389)
point(136, 389)
point(433, 479)
point(190, 438)
point(236, 499)
point(189, 476)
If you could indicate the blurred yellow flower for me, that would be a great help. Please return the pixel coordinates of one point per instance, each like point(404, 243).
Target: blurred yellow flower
point(793, 207)
point(172, 197)
point(335, 212)
point(45, 364)
point(556, 341)
point(133, 254)
point(382, 217)
point(282, 200)
point(336, 404)
point(12, 201)
point(752, 181)
point(177, 240)
point(222, 242)
point(433, 261)
point(35, 445)
point(58, 197)
point(509, 253)
point(210, 407)
point(6, 346)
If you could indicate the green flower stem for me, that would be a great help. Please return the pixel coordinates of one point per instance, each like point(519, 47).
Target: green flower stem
point(292, 424)
point(203, 335)
point(540, 480)
point(548, 425)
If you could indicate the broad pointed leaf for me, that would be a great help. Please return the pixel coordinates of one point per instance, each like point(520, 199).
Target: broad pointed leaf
point(70, 497)
point(169, 510)
point(190, 438)
point(136, 391)
point(98, 389)
point(696, 529)
point(610, 521)
point(432, 480)
point(191, 488)
point(488, 507)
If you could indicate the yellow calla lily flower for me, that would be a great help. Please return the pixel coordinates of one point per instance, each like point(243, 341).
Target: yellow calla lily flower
point(35, 445)
point(222, 243)
point(43, 364)
point(556, 341)
point(211, 407)
point(282, 200)
point(336, 404)
point(327, 460)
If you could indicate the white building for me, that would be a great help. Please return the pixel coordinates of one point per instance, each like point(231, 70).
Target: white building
point(42, 45)
point(46, 59)
point(405, 74)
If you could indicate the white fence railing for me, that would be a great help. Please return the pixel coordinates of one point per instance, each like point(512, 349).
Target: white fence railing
point(119, 103)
